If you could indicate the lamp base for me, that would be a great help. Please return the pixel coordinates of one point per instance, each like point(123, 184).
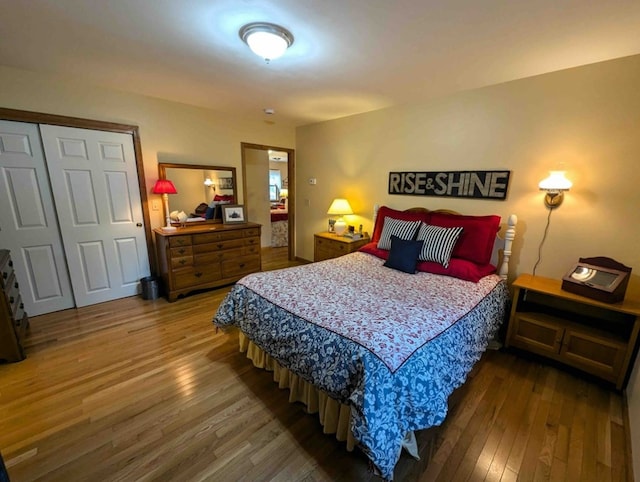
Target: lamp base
point(169, 229)
point(340, 227)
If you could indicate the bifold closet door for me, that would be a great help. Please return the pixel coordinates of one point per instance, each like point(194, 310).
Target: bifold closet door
point(28, 224)
point(95, 188)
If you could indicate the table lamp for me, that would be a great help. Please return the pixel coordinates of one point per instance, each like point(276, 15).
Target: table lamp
point(339, 207)
point(165, 187)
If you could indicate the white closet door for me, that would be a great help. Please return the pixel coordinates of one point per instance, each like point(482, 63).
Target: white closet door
point(95, 187)
point(28, 224)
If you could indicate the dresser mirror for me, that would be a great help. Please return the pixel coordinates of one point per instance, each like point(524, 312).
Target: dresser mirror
point(197, 185)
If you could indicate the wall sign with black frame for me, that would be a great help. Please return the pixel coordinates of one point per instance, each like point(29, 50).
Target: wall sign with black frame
point(464, 184)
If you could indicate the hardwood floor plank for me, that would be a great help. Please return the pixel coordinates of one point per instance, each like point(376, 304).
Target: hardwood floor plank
point(148, 390)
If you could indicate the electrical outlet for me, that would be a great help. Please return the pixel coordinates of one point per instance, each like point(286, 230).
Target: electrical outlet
point(155, 205)
point(312, 181)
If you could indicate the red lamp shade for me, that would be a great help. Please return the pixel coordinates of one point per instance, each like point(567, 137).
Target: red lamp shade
point(164, 186)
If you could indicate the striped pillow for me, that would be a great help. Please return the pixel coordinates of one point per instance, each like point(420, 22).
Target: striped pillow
point(395, 227)
point(438, 243)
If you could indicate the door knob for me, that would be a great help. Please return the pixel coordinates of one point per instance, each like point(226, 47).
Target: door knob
point(139, 225)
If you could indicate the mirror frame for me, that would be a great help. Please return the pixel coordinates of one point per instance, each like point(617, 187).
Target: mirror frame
point(162, 174)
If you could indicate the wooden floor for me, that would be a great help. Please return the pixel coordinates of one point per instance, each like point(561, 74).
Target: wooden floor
point(147, 390)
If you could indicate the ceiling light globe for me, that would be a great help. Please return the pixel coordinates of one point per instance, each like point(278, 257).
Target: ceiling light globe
point(267, 45)
point(267, 40)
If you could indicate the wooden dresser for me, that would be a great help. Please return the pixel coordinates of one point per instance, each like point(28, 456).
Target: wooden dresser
point(328, 245)
point(199, 257)
point(595, 337)
point(13, 319)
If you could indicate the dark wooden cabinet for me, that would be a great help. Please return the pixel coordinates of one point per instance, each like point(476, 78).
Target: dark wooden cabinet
point(13, 319)
point(329, 245)
point(209, 256)
point(595, 337)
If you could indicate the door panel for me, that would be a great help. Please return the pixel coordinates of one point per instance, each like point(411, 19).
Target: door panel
point(28, 225)
point(95, 185)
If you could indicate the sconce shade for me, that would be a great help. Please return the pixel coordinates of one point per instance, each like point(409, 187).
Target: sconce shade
point(555, 185)
point(340, 207)
point(208, 182)
point(164, 186)
point(556, 182)
point(266, 40)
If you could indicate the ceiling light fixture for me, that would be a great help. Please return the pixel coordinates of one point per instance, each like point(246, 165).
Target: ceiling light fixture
point(267, 40)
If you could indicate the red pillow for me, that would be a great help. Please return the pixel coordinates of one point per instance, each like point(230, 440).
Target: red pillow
point(477, 238)
point(458, 268)
point(385, 211)
point(223, 197)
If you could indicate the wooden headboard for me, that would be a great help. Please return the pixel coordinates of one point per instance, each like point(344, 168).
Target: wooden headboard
point(501, 247)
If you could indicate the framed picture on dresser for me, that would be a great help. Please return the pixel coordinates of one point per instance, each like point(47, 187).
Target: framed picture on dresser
point(233, 214)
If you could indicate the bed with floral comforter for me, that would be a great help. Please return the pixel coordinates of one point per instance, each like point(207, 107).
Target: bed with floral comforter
point(393, 346)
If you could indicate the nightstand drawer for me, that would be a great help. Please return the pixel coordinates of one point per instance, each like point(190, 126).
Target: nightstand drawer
point(327, 246)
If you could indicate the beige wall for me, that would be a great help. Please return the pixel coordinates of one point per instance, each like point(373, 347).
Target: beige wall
point(587, 118)
point(169, 131)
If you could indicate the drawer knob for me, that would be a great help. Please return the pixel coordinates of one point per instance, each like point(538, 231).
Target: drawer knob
point(182, 261)
point(241, 265)
point(220, 245)
point(198, 274)
point(181, 250)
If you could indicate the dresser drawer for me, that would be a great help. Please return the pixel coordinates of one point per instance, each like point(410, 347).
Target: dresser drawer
point(191, 277)
point(252, 232)
point(250, 250)
point(252, 241)
point(176, 241)
point(215, 237)
point(181, 262)
point(218, 246)
point(181, 251)
point(240, 266)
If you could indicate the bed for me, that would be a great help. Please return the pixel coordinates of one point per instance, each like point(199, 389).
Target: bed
point(279, 227)
point(374, 346)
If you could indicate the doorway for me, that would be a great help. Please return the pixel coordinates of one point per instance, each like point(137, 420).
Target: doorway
point(256, 187)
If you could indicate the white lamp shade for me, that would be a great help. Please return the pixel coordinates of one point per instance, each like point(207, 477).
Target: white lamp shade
point(556, 182)
point(340, 207)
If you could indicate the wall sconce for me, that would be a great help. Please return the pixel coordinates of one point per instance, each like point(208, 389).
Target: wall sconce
point(209, 183)
point(555, 185)
point(339, 207)
point(165, 187)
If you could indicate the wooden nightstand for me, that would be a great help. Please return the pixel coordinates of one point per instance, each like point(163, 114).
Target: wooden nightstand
point(328, 245)
point(595, 337)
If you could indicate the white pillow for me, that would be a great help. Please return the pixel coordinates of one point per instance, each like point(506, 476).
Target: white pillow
point(396, 227)
point(438, 243)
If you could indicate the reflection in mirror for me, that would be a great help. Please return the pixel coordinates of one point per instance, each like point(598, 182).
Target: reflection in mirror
point(198, 186)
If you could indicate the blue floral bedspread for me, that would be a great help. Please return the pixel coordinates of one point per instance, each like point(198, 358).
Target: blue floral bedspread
point(389, 395)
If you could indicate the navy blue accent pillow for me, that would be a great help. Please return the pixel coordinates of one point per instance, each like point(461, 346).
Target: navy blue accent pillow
point(403, 255)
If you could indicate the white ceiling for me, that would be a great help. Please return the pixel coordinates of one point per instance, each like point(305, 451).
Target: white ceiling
point(349, 56)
